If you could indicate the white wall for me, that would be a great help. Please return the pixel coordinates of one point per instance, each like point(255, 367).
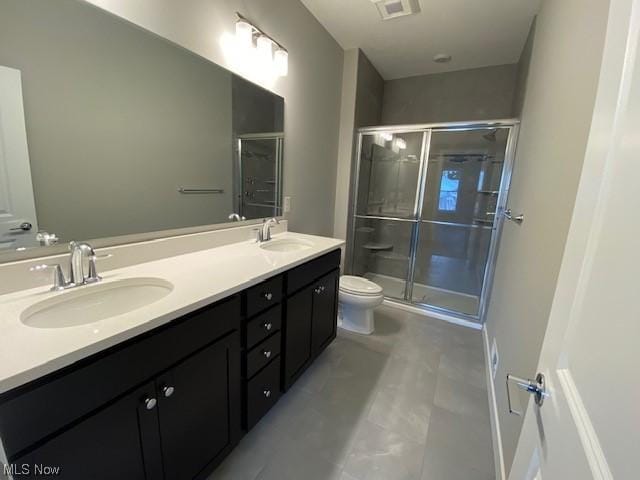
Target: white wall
point(311, 90)
point(558, 106)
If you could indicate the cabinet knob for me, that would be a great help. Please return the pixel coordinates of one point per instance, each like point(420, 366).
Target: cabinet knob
point(317, 290)
point(268, 327)
point(266, 393)
point(150, 403)
point(267, 353)
point(168, 390)
point(268, 295)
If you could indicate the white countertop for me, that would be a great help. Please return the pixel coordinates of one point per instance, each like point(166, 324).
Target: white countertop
point(199, 279)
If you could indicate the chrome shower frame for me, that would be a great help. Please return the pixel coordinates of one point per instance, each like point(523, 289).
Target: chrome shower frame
point(427, 129)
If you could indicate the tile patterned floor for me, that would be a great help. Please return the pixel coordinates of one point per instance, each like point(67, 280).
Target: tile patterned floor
point(407, 403)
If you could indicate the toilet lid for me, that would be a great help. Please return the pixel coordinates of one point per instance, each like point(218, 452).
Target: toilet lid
point(359, 285)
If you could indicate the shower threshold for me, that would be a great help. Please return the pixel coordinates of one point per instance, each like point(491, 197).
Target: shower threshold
point(455, 302)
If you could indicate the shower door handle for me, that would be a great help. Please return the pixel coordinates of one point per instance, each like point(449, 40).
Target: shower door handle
point(508, 214)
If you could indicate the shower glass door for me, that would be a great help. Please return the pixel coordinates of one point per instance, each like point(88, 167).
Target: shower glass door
point(425, 217)
point(458, 216)
point(386, 209)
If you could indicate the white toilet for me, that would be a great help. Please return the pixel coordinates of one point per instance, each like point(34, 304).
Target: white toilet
point(358, 297)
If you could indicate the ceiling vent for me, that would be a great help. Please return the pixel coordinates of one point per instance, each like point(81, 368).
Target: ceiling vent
point(389, 9)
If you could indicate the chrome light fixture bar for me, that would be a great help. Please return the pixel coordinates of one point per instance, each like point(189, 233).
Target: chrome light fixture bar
point(269, 50)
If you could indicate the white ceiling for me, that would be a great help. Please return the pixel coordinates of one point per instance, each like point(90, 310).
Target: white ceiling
point(477, 33)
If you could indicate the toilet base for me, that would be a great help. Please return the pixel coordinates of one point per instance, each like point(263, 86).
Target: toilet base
point(357, 320)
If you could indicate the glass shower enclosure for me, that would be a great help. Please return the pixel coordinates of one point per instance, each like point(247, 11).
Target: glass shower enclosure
point(259, 175)
point(426, 212)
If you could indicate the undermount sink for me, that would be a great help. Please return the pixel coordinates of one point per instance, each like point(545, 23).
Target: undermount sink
point(92, 303)
point(286, 245)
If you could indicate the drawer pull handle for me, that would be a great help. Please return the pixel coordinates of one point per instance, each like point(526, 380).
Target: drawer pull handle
point(150, 403)
point(268, 327)
point(268, 296)
point(168, 391)
point(267, 353)
point(267, 393)
point(317, 290)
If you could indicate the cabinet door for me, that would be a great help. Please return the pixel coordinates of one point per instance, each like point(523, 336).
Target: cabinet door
point(324, 323)
point(197, 401)
point(107, 445)
point(297, 333)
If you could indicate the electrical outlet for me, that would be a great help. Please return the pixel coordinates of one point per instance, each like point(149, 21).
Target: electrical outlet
point(287, 204)
point(495, 358)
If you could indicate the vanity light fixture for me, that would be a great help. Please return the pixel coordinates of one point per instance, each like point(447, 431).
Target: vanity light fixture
point(244, 34)
point(255, 41)
point(281, 62)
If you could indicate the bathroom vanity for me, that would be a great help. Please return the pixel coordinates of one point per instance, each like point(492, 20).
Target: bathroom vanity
point(171, 395)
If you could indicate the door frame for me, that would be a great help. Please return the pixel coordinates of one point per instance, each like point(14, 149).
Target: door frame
point(475, 321)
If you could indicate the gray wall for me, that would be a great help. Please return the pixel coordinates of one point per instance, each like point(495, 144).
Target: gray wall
point(558, 107)
point(116, 120)
point(369, 93)
point(362, 91)
point(311, 90)
point(474, 94)
point(522, 76)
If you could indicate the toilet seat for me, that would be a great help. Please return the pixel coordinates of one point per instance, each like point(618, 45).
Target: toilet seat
point(359, 286)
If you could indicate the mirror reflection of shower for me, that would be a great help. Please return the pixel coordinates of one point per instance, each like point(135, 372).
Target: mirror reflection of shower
point(259, 175)
point(425, 217)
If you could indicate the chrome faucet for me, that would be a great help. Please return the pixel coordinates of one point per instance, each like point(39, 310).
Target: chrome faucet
point(234, 217)
point(264, 234)
point(79, 252)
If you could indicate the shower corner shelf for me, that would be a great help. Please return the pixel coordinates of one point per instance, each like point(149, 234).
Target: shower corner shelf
point(378, 247)
point(388, 255)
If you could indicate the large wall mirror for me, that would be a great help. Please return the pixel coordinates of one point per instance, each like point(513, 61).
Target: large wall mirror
point(108, 130)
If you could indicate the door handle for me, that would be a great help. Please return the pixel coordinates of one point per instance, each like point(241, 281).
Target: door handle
point(537, 388)
point(24, 226)
point(508, 214)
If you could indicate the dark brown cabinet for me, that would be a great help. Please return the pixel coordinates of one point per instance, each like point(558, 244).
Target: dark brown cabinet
point(104, 446)
point(298, 333)
point(324, 313)
point(193, 410)
point(170, 404)
point(311, 313)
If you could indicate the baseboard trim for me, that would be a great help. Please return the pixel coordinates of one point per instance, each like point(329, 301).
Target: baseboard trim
point(432, 314)
point(498, 455)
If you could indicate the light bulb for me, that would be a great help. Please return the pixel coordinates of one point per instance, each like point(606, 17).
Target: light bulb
point(281, 62)
point(244, 34)
point(387, 137)
point(400, 143)
point(264, 46)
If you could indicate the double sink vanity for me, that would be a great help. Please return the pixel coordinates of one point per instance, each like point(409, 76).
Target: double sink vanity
point(157, 370)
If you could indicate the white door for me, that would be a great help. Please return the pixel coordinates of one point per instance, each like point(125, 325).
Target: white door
point(589, 426)
point(18, 224)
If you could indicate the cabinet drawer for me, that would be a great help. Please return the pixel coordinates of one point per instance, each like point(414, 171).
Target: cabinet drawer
point(264, 295)
point(262, 354)
point(303, 275)
point(263, 325)
point(263, 392)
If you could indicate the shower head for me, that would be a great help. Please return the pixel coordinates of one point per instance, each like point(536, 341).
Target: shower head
point(491, 136)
